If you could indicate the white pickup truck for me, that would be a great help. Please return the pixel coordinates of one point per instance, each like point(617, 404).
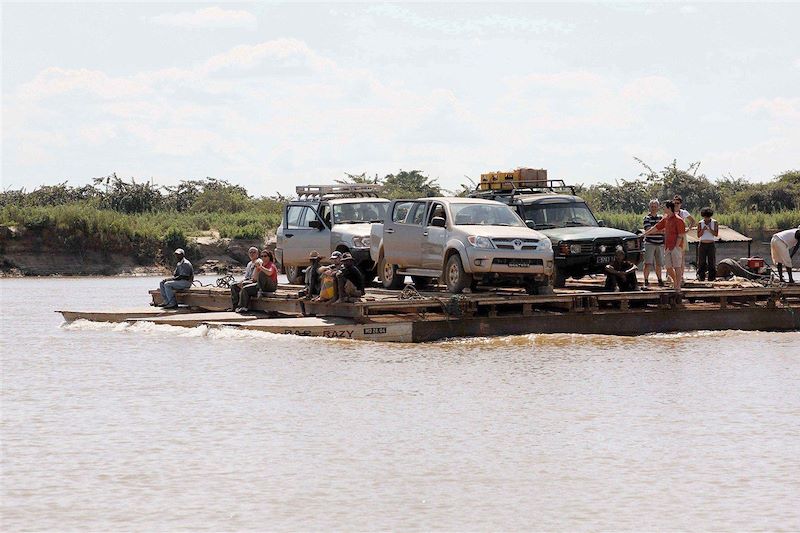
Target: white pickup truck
point(465, 241)
point(327, 218)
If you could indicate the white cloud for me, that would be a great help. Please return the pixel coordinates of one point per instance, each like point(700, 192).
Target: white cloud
point(207, 18)
point(54, 81)
point(489, 24)
point(650, 89)
point(779, 109)
point(688, 10)
point(281, 51)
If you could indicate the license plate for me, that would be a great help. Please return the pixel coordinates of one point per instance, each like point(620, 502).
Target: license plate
point(605, 259)
point(518, 264)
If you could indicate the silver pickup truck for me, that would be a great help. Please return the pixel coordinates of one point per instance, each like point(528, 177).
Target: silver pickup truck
point(327, 218)
point(465, 241)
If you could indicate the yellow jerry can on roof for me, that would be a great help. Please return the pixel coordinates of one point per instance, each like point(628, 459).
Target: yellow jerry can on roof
point(521, 177)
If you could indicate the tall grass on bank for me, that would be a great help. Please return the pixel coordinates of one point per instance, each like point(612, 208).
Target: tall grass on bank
point(82, 226)
point(744, 222)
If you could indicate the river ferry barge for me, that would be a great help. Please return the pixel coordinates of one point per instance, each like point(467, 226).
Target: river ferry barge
point(412, 316)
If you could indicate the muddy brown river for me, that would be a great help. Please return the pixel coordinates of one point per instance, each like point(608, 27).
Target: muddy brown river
point(143, 427)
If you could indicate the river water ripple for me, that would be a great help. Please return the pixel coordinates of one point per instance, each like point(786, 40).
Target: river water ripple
point(158, 428)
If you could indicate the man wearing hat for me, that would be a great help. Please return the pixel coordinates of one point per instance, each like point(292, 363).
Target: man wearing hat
point(181, 279)
point(327, 273)
point(350, 280)
point(313, 277)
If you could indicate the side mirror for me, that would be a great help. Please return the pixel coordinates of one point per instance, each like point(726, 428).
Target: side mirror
point(531, 224)
point(316, 223)
point(438, 222)
point(601, 223)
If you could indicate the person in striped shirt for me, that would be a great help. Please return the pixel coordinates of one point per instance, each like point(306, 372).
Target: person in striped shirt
point(653, 245)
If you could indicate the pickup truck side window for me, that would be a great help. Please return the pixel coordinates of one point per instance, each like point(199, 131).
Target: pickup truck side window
point(437, 211)
point(325, 209)
point(400, 211)
point(294, 216)
point(417, 214)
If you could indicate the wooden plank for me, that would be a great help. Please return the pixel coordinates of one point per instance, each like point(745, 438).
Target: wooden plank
point(191, 320)
point(121, 315)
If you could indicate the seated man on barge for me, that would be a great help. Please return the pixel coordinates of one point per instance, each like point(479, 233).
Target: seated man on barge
point(181, 279)
point(313, 278)
point(349, 280)
point(236, 288)
point(621, 273)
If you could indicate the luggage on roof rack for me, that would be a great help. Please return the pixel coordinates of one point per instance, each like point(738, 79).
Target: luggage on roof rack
point(339, 190)
point(520, 181)
point(506, 180)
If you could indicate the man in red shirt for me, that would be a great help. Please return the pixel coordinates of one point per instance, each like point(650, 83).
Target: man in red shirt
point(674, 232)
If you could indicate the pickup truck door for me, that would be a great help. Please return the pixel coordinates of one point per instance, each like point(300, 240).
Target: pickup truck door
point(434, 238)
point(299, 239)
point(402, 233)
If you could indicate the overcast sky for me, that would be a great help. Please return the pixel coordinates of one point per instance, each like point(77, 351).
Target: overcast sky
point(271, 96)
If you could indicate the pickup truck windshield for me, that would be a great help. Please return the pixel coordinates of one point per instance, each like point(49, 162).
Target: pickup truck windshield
point(359, 212)
point(559, 215)
point(484, 215)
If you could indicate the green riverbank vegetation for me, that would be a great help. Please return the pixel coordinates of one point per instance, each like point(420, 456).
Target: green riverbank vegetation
point(147, 221)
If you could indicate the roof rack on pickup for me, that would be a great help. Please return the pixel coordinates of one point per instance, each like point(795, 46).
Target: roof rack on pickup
point(346, 190)
point(515, 188)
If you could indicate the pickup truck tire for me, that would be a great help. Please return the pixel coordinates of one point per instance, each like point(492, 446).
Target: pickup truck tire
point(454, 275)
point(389, 277)
point(295, 275)
point(421, 282)
point(559, 278)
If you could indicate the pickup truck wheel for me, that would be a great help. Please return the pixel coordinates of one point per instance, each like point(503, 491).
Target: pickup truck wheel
point(295, 275)
point(455, 276)
point(421, 282)
point(389, 276)
point(559, 278)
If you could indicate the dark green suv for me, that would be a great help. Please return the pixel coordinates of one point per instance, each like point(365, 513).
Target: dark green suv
point(581, 244)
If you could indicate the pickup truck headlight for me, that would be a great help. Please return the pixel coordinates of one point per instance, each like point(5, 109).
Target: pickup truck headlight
point(575, 248)
point(361, 242)
point(631, 244)
point(545, 244)
point(480, 242)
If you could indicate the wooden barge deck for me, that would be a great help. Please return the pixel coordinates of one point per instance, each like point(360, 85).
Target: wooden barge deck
point(392, 316)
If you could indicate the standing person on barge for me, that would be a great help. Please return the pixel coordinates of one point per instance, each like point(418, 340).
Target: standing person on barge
point(674, 233)
point(707, 232)
point(779, 248)
point(181, 279)
point(653, 245)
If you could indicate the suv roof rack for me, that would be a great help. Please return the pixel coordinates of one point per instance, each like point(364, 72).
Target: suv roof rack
point(343, 190)
point(515, 188)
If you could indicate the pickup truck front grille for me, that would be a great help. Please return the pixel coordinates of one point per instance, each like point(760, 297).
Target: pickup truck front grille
point(511, 244)
point(516, 262)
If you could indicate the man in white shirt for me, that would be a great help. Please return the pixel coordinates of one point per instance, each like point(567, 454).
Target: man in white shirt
point(779, 246)
point(707, 232)
point(249, 272)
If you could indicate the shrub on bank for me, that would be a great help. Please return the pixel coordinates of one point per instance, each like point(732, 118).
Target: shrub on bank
point(743, 222)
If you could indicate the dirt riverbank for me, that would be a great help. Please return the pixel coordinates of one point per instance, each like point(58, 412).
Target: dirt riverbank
point(29, 252)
